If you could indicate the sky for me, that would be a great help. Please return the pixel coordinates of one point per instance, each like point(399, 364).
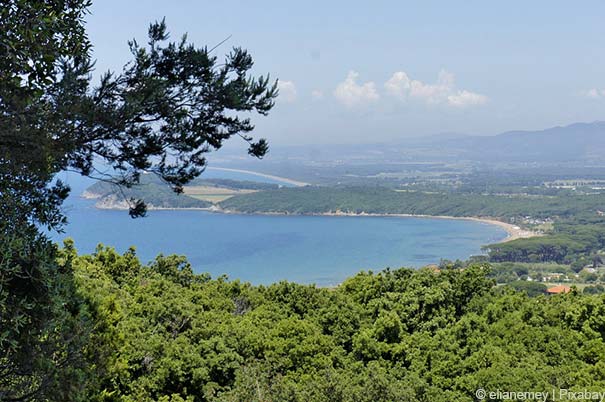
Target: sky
point(383, 71)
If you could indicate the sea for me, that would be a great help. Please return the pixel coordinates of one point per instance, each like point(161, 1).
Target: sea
point(263, 249)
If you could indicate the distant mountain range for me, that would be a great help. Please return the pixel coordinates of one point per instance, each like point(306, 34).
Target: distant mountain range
point(578, 144)
point(575, 142)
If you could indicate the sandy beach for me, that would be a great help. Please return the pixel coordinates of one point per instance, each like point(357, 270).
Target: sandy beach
point(514, 231)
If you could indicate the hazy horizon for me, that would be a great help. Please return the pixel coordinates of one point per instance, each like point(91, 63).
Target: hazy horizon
point(360, 73)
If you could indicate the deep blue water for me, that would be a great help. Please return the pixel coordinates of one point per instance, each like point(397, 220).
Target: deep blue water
point(265, 249)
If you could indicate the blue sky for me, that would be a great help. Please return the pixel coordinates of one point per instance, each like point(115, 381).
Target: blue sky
point(355, 72)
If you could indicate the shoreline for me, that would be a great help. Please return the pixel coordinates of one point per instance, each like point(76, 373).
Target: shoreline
point(514, 232)
point(293, 182)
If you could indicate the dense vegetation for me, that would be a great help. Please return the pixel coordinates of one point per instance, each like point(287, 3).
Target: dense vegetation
point(169, 106)
point(162, 333)
point(573, 241)
point(155, 194)
point(234, 184)
point(381, 200)
point(105, 327)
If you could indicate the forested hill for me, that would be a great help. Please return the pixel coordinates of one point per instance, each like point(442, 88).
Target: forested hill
point(156, 194)
point(162, 333)
point(380, 200)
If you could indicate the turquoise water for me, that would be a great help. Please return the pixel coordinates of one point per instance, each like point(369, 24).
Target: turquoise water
point(265, 249)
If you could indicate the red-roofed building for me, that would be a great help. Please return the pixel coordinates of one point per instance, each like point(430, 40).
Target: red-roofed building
point(558, 289)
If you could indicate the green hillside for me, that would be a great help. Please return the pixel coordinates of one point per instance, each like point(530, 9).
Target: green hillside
point(165, 334)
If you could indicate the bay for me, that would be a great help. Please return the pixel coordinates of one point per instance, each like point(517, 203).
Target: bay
point(263, 249)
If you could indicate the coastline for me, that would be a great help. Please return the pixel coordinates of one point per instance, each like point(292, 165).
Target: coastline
point(296, 183)
point(514, 232)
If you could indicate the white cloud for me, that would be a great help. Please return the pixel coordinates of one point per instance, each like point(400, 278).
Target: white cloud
point(442, 92)
point(287, 91)
point(352, 94)
point(594, 93)
point(398, 85)
point(466, 98)
point(317, 94)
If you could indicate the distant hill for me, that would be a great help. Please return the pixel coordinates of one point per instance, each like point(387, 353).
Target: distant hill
point(448, 154)
point(575, 142)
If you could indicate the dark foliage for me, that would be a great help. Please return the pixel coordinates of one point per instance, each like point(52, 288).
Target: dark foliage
point(166, 109)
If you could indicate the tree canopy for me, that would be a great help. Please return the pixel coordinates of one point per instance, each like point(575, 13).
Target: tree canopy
point(396, 335)
point(162, 113)
point(166, 109)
